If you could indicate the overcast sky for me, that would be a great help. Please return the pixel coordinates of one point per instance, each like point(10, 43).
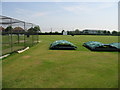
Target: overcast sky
point(65, 15)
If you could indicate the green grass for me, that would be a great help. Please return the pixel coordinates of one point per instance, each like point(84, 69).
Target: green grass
point(40, 67)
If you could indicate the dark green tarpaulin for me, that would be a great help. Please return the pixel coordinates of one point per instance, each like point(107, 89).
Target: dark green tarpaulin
point(117, 45)
point(62, 44)
point(98, 46)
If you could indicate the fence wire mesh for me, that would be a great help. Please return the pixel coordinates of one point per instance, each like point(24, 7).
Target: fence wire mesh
point(17, 34)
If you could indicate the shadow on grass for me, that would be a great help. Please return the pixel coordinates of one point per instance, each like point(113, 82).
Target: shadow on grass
point(62, 49)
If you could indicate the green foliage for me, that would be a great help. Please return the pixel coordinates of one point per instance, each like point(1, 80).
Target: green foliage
point(77, 31)
point(31, 30)
point(36, 29)
point(119, 33)
point(8, 29)
point(108, 32)
point(104, 31)
point(114, 33)
point(56, 32)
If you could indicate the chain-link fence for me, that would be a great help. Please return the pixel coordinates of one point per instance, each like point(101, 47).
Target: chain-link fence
point(17, 35)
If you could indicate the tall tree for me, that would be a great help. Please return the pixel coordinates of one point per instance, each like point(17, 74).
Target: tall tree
point(9, 29)
point(105, 32)
point(31, 30)
point(108, 32)
point(37, 29)
point(114, 33)
point(77, 31)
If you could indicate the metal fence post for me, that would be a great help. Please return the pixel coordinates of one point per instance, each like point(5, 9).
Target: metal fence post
point(32, 35)
point(11, 36)
point(24, 35)
point(37, 37)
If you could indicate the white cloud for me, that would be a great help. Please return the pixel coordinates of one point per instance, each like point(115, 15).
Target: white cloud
point(107, 5)
point(39, 14)
point(29, 16)
point(87, 8)
point(30, 13)
point(75, 8)
point(78, 9)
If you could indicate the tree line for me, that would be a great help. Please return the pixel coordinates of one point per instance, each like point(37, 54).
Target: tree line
point(19, 30)
point(36, 29)
point(78, 32)
point(105, 32)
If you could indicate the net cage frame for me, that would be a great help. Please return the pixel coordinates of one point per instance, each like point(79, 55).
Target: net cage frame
point(16, 35)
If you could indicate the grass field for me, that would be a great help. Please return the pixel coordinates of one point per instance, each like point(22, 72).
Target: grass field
point(40, 67)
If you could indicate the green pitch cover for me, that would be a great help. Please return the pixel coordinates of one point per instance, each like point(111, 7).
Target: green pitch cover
point(98, 46)
point(62, 44)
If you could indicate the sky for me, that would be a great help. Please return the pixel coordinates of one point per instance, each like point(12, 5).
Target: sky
point(65, 15)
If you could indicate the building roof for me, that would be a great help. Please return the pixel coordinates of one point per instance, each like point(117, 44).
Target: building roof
point(18, 28)
point(1, 28)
